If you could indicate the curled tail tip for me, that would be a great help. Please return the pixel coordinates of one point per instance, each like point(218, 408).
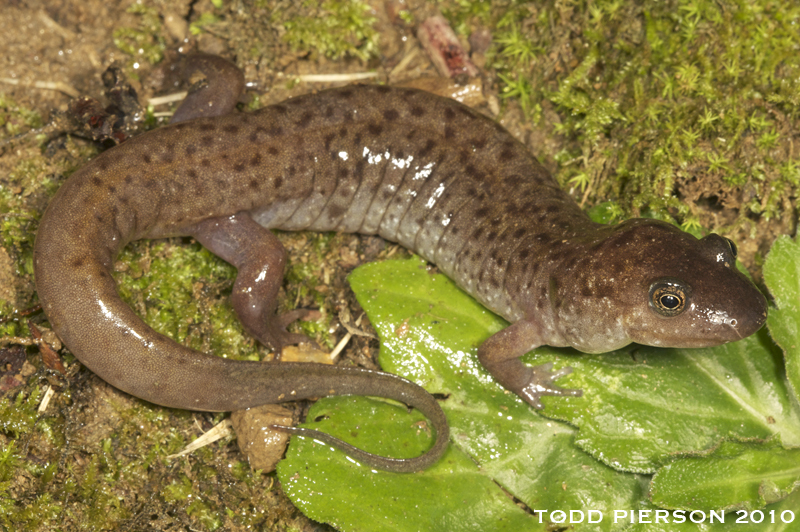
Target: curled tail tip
point(385, 463)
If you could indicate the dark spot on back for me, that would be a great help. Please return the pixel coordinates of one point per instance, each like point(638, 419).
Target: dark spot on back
point(305, 119)
point(278, 182)
point(417, 111)
point(375, 129)
point(425, 150)
point(390, 115)
point(192, 173)
point(239, 167)
point(205, 162)
point(358, 173)
point(207, 140)
point(272, 150)
point(479, 143)
point(449, 114)
point(519, 233)
point(190, 150)
point(97, 181)
point(506, 155)
point(207, 126)
point(253, 184)
point(146, 158)
point(231, 129)
point(256, 160)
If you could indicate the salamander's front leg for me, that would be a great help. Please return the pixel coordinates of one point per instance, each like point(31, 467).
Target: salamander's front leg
point(260, 259)
point(500, 356)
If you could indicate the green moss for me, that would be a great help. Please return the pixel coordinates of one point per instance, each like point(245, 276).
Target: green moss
point(182, 291)
point(204, 21)
point(304, 277)
point(18, 416)
point(14, 118)
point(333, 28)
point(652, 96)
point(11, 327)
point(145, 41)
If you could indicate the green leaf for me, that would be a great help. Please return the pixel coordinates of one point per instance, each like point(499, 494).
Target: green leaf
point(643, 404)
point(782, 274)
point(735, 475)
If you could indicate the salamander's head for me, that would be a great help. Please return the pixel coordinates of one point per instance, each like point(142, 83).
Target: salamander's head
point(661, 286)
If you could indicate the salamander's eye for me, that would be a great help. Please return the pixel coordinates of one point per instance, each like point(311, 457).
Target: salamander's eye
point(669, 297)
point(734, 251)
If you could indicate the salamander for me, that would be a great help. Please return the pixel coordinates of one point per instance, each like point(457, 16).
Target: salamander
point(425, 171)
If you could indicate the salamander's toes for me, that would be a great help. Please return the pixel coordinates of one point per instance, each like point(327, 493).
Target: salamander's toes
point(272, 331)
point(287, 318)
point(278, 337)
point(541, 383)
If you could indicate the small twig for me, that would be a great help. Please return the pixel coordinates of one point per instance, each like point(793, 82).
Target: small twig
point(47, 85)
point(399, 67)
point(218, 432)
point(340, 346)
point(167, 98)
point(48, 394)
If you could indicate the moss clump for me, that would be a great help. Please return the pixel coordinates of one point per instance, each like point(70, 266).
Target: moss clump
point(14, 118)
point(145, 41)
point(689, 96)
point(182, 292)
point(333, 28)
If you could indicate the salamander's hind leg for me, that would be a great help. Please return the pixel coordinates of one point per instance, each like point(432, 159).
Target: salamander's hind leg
point(260, 259)
point(500, 354)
